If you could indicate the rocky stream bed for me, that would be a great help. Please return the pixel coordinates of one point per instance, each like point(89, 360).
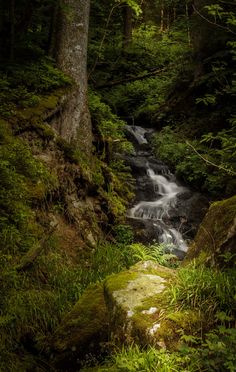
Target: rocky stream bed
point(164, 210)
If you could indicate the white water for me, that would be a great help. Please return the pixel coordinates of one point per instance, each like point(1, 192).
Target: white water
point(158, 210)
point(138, 133)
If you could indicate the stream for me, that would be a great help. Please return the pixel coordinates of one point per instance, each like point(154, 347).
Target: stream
point(164, 210)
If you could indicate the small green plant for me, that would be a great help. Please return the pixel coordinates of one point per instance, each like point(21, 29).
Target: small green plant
point(108, 259)
point(155, 252)
point(123, 234)
point(134, 359)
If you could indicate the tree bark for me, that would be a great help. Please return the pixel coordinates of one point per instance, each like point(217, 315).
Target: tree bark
point(74, 123)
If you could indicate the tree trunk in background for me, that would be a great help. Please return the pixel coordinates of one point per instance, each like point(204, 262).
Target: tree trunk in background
point(12, 29)
point(127, 34)
point(174, 14)
point(52, 37)
point(187, 20)
point(74, 123)
point(162, 18)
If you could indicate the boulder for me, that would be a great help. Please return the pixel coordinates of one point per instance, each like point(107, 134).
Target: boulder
point(134, 302)
point(127, 308)
point(215, 242)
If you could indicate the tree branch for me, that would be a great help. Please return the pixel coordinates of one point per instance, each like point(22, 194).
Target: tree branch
point(103, 39)
point(209, 162)
point(213, 23)
point(133, 78)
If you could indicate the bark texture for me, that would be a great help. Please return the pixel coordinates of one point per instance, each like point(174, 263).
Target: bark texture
point(74, 122)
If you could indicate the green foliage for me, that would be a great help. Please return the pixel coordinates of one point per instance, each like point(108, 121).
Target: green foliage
point(108, 259)
point(155, 52)
point(155, 252)
point(123, 234)
point(202, 164)
point(134, 359)
point(218, 350)
point(22, 86)
point(109, 126)
point(112, 141)
point(208, 290)
point(133, 4)
point(21, 175)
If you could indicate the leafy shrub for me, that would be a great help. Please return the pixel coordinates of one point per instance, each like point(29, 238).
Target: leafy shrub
point(123, 234)
point(108, 125)
point(207, 167)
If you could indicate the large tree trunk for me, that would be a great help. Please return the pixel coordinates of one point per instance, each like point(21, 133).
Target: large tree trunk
point(74, 123)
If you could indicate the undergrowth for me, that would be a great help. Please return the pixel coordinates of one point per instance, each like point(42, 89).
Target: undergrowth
point(204, 290)
point(24, 86)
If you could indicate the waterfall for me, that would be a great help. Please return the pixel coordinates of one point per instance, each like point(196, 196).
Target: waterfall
point(163, 197)
point(158, 209)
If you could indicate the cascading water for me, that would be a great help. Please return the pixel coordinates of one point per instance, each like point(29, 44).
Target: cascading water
point(158, 209)
point(162, 206)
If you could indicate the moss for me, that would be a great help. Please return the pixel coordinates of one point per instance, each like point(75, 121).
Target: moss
point(46, 104)
point(5, 131)
point(174, 325)
point(119, 281)
point(130, 295)
point(213, 234)
point(44, 131)
point(86, 321)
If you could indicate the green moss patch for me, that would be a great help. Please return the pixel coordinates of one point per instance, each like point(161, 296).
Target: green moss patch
point(86, 321)
point(216, 234)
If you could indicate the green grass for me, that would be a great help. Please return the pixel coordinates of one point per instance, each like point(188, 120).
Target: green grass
point(208, 290)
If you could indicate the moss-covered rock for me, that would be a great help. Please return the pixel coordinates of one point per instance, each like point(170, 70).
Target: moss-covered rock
point(134, 302)
point(128, 307)
point(215, 241)
point(82, 329)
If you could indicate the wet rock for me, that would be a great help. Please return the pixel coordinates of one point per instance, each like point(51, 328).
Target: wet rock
point(170, 213)
point(145, 231)
point(188, 213)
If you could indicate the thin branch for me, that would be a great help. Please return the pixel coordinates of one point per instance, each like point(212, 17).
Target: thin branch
point(213, 23)
point(103, 39)
point(227, 2)
point(209, 162)
point(29, 258)
point(133, 78)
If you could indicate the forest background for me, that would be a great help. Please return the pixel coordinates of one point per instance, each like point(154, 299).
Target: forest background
point(167, 64)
